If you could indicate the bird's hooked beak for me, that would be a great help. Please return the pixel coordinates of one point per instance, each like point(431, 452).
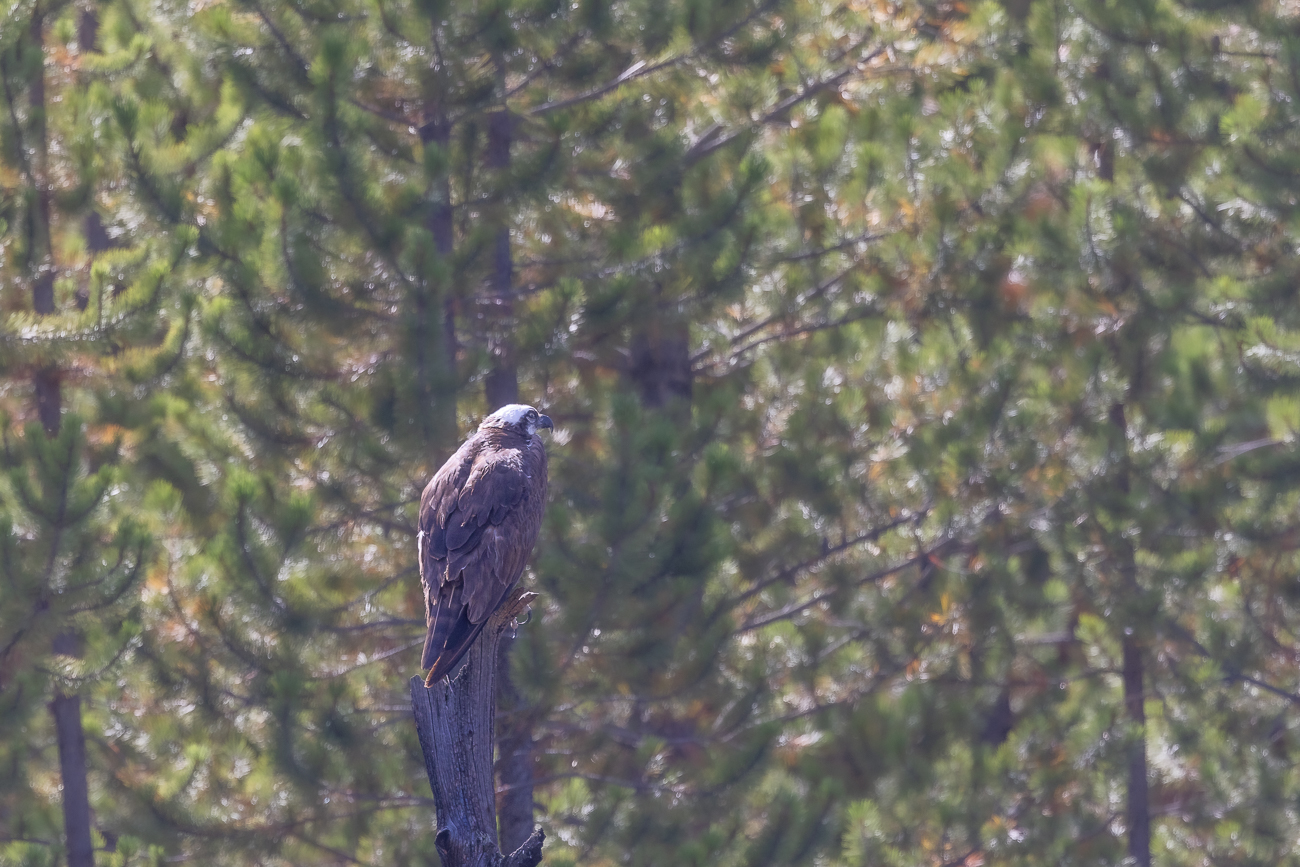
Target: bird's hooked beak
point(544, 421)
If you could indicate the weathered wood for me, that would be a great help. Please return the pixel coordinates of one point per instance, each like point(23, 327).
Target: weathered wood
point(66, 710)
point(514, 733)
point(454, 719)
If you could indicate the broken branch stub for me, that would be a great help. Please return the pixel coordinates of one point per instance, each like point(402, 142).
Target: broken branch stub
point(454, 719)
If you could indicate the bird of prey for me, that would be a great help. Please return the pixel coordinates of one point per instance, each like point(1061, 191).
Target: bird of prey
point(479, 518)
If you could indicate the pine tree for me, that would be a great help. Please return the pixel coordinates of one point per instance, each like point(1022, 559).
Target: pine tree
point(924, 392)
point(1073, 397)
point(319, 274)
point(84, 323)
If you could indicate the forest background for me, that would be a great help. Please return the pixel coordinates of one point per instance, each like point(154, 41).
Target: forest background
point(926, 379)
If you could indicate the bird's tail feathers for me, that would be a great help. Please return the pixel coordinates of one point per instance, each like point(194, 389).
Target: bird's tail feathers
point(441, 620)
point(458, 644)
point(450, 636)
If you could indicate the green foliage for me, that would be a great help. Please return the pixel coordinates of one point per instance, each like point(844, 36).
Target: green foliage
point(916, 368)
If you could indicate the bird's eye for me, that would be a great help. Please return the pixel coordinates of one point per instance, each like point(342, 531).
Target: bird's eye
point(532, 414)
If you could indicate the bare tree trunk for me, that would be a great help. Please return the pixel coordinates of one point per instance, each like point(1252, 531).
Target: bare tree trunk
point(47, 385)
point(443, 228)
point(502, 384)
point(454, 719)
point(66, 710)
point(659, 361)
point(501, 387)
point(514, 755)
point(436, 130)
point(1139, 807)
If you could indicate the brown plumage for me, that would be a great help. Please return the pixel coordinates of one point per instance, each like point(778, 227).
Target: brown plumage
point(479, 518)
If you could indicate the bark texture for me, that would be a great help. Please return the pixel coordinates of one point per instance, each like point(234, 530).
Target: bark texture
point(48, 393)
point(1139, 806)
point(659, 361)
point(440, 223)
point(66, 710)
point(454, 719)
point(501, 386)
point(514, 755)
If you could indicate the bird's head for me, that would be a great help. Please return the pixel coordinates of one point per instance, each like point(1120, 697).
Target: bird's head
point(517, 417)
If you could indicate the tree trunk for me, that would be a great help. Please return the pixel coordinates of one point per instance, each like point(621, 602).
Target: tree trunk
point(454, 719)
point(501, 386)
point(443, 227)
point(1139, 808)
point(514, 755)
point(66, 710)
point(659, 360)
point(48, 389)
point(437, 132)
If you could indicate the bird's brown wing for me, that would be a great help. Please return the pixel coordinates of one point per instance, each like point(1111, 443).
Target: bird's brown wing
point(473, 548)
point(439, 498)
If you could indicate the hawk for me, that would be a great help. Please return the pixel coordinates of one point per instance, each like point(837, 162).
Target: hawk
point(479, 518)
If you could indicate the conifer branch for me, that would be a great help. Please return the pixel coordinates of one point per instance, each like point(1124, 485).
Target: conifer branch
point(929, 556)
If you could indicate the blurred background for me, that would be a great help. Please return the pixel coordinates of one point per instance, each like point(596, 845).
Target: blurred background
point(926, 380)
